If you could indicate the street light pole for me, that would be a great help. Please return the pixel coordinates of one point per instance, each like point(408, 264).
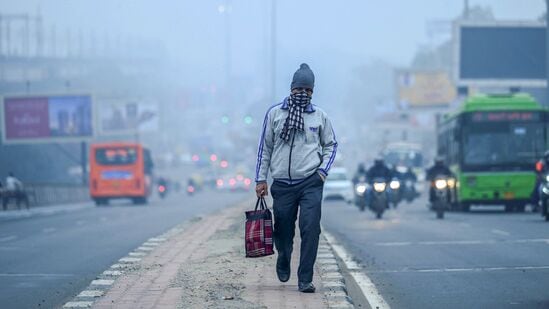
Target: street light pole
point(547, 53)
point(273, 50)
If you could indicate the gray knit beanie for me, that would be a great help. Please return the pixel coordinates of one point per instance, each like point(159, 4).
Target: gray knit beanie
point(303, 77)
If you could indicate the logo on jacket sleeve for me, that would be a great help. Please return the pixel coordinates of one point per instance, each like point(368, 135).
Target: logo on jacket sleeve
point(313, 129)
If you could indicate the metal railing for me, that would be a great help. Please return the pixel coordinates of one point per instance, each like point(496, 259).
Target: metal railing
point(40, 194)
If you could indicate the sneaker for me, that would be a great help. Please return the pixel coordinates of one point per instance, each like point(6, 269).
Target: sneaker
point(282, 269)
point(306, 287)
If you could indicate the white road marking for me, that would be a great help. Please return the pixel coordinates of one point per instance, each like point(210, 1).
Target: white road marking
point(473, 269)
point(134, 254)
point(37, 275)
point(91, 293)
point(463, 242)
point(129, 260)
point(7, 238)
point(156, 239)
point(374, 298)
point(142, 248)
point(78, 304)
point(112, 273)
point(500, 232)
point(102, 282)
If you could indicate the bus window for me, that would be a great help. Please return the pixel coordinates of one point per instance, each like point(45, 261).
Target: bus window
point(116, 156)
point(503, 143)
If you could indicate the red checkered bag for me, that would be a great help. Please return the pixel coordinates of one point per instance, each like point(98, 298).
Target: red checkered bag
point(259, 230)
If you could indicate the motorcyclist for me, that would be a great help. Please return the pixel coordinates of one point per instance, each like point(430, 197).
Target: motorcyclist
point(360, 172)
point(409, 175)
point(379, 170)
point(438, 169)
point(395, 173)
point(542, 168)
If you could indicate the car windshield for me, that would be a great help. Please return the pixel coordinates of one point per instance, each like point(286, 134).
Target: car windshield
point(404, 158)
point(337, 176)
point(492, 144)
point(116, 156)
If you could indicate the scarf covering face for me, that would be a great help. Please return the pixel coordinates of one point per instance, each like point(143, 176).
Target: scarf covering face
point(294, 122)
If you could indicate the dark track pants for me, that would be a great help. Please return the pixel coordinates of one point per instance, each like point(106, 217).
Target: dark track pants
point(288, 199)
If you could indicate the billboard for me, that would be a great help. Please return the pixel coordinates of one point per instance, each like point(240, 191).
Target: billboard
point(424, 88)
point(500, 54)
point(126, 116)
point(47, 118)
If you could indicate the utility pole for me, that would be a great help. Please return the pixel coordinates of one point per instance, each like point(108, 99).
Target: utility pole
point(547, 52)
point(273, 50)
point(1, 37)
point(466, 10)
point(228, 51)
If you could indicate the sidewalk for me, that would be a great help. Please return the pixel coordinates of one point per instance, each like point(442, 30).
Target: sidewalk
point(202, 265)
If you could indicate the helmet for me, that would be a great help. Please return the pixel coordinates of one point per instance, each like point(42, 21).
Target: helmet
point(439, 160)
point(378, 161)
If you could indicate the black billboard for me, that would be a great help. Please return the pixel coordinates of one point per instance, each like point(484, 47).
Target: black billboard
point(502, 52)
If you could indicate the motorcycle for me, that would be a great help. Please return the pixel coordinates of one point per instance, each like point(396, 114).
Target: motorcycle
point(408, 190)
point(361, 189)
point(379, 200)
point(441, 195)
point(190, 190)
point(162, 191)
point(544, 197)
point(394, 192)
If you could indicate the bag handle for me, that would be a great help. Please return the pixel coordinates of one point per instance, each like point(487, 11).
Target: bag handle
point(261, 203)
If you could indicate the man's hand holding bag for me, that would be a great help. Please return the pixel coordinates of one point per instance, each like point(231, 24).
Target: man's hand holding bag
point(259, 230)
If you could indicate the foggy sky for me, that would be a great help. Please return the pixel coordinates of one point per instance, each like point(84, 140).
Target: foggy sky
point(332, 36)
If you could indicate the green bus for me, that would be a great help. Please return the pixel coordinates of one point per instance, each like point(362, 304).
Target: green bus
point(492, 143)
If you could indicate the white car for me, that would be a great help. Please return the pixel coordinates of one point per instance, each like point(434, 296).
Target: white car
point(338, 185)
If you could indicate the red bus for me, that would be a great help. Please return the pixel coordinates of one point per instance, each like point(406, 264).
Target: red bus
point(120, 170)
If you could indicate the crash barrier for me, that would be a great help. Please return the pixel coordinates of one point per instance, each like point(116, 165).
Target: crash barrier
point(53, 194)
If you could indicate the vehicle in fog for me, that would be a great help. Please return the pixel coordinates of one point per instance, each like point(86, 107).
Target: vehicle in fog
point(338, 186)
point(491, 144)
point(120, 170)
point(544, 196)
point(402, 155)
point(379, 200)
point(442, 185)
point(234, 183)
point(362, 189)
point(394, 191)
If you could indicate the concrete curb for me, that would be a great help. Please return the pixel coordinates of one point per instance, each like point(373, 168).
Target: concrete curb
point(331, 277)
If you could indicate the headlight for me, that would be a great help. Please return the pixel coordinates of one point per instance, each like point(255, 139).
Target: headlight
point(379, 186)
point(451, 182)
point(360, 189)
point(441, 184)
point(547, 177)
point(394, 184)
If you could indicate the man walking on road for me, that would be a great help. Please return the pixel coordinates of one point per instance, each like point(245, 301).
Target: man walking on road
point(298, 146)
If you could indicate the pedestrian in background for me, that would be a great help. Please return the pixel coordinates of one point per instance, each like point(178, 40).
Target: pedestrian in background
point(298, 146)
point(14, 189)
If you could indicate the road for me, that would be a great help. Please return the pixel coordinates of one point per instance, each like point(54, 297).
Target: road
point(482, 259)
point(46, 260)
